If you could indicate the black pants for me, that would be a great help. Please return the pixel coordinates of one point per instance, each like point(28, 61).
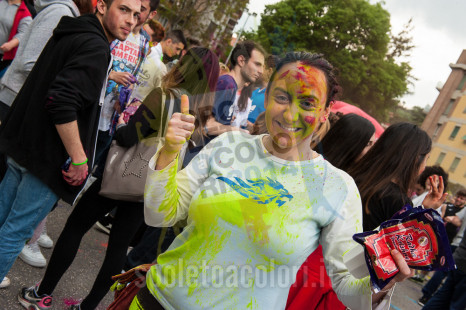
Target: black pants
point(147, 300)
point(154, 242)
point(4, 64)
point(90, 208)
point(4, 109)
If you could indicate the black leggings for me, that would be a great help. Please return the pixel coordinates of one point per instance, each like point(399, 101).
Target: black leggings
point(92, 207)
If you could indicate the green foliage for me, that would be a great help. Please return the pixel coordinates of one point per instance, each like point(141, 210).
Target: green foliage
point(354, 36)
point(415, 115)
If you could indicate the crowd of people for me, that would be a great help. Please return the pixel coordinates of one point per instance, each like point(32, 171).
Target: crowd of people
point(253, 192)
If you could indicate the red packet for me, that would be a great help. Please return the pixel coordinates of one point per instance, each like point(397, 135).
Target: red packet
point(418, 234)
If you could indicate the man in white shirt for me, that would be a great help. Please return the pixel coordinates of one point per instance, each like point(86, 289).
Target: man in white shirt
point(153, 69)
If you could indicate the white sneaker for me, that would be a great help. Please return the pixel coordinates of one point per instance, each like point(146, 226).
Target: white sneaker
point(5, 282)
point(31, 255)
point(45, 241)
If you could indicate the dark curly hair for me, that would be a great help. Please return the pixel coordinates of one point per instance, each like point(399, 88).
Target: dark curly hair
point(431, 170)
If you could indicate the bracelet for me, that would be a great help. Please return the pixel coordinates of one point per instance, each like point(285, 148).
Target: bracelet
point(205, 130)
point(79, 164)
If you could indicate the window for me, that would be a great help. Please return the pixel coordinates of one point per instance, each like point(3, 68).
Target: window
point(437, 130)
point(454, 164)
point(440, 159)
point(211, 29)
point(454, 133)
point(461, 84)
point(449, 106)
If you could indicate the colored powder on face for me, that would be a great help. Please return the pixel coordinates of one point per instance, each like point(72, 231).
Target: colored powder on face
point(310, 120)
point(312, 78)
point(284, 74)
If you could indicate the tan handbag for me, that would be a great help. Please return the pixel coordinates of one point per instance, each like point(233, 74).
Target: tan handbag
point(125, 170)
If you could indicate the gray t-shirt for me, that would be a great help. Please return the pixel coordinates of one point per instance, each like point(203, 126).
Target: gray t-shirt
point(460, 254)
point(7, 16)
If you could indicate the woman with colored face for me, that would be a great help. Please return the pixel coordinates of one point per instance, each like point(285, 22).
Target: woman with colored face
point(256, 206)
point(296, 101)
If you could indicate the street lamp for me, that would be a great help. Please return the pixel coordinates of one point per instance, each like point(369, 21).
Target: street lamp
point(240, 33)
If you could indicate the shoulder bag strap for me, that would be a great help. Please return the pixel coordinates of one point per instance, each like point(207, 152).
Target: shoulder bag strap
point(170, 110)
point(162, 108)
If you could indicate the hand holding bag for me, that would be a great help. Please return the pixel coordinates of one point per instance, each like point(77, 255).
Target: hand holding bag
point(127, 286)
point(125, 170)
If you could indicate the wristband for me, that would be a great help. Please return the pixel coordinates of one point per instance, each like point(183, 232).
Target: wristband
point(79, 164)
point(205, 130)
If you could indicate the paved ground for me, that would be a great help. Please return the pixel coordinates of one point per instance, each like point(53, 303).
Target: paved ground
point(76, 282)
point(79, 278)
point(406, 296)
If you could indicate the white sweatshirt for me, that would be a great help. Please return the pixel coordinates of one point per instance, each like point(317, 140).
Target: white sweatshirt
point(253, 219)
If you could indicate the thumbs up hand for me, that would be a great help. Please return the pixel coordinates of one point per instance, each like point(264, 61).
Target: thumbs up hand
point(180, 128)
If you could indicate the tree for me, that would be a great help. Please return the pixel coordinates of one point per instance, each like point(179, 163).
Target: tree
point(186, 13)
point(354, 36)
point(416, 115)
point(200, 18)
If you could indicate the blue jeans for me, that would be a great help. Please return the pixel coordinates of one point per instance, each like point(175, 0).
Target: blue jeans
point(24, 203)
point(451, 295)
point(434, 283)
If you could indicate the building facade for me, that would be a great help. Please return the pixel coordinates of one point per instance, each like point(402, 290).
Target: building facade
point(446, 124)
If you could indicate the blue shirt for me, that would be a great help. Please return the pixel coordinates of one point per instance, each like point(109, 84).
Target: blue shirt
point(224, 98)
point(257, 106)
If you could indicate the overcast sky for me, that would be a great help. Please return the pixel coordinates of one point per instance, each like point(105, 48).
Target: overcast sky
point(438, 34)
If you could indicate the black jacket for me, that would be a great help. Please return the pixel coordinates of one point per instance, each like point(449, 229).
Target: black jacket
point(64, 85)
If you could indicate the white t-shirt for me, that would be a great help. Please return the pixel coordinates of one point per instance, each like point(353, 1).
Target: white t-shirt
point(151, 74)
point(253, 219)
point(240, 117)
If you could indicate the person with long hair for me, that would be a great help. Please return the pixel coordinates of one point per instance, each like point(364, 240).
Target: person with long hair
point(343, 145)
point(193, 75)
point(242, 106)
point(256, 206)
point(347, 141)
point(196, 75)
point(156, 239)
point(259, 126)
point(390, 169)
